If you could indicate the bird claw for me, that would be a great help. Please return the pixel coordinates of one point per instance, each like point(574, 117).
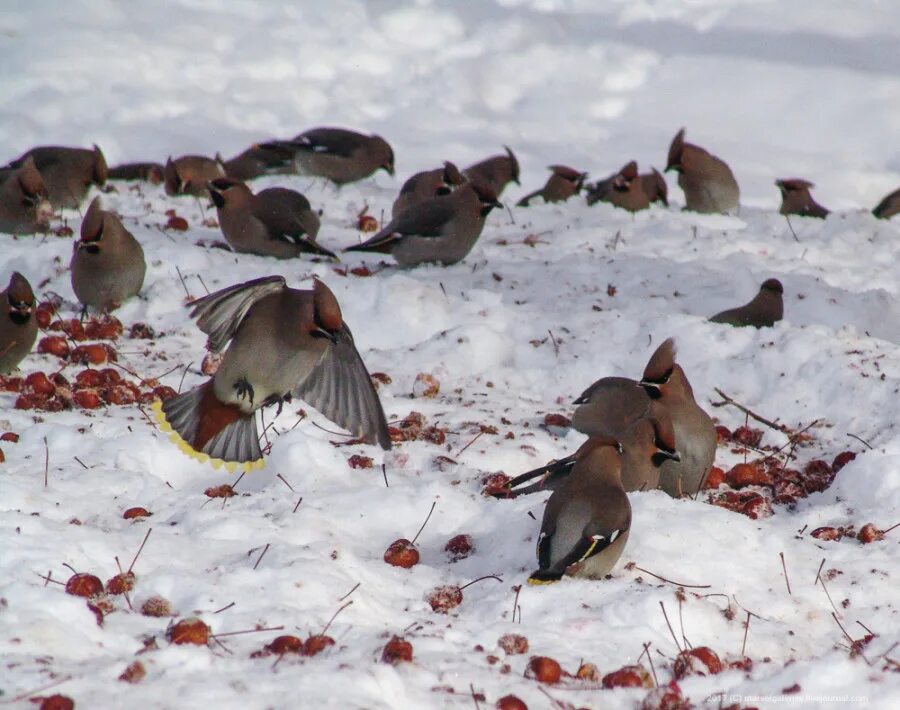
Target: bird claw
point(244, 389)
point(275, 399)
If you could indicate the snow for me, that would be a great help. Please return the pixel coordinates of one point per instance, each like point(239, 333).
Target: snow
point(776, 90)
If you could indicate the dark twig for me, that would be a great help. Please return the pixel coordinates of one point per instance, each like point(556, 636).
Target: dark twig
point(384, 473)
point(224, 608)
point(854, 436)
point(299, 501)
point(477, 436)
point(246, 631)
point(284, 481)
point(46, 461)
point(427, 518)
point(335, 615)
point(474, 697)
point(140, 549)
point(746, 631)
point(671, 631)
point(184, 285)
point(355, 587)
point(261, 555)
point(749, 412)
point(791, 227)
point(487, 576)
point(786, 580)
point(669, 581)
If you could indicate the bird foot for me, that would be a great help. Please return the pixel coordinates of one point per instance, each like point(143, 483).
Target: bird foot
point(244, 389)
point(275, 399)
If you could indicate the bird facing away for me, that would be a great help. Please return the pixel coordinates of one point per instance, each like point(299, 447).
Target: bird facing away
point(426, 185)
point(190, 174)
point(587, 521)
point(563, 183)
point(708, 183)
point(68, 173)
point(443, 229)
point(796, 199)
point(154, 173)
point(655, 187)
point(24, 207)
point(274, 222)
point(646, 445)
point(107, 264)
point(666, 383)
point(282, 342)
point(262, 159)
point(496, 172)
point(764, 311)
point(18, 325)
point(889, 206)
point(625, 189)
point(339, 155)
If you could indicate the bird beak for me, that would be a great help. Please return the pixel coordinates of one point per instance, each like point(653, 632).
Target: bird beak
point(649, 385)
point(322, 333)
point(389, 169)
point(671, 455)
point(216, 196)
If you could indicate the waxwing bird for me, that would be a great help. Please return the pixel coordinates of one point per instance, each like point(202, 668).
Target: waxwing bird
point(284, 342)
point(339, 155)
point(764, 311)
point(627, 189)
point(646, 445)
point(264, 159)
point(442, 229)
point(796, 199)
point(563, 183)
point(274, 222)
point(24, 207)
point(587, 521)
point(18, 325)
point(154, 173)
point(655, 187)
point(496, 172)
point(610, 405)
point(190, 174)
point(666, 383)
point(426, 185)
point(889, 206)
point(107, 264)
point(623, 189)
point(708, 183)
point(67, 173)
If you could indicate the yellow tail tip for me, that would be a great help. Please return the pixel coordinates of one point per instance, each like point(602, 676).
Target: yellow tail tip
point(188, 450)
point(534, 581)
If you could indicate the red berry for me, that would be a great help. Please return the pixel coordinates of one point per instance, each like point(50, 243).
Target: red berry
point(397, 650)
point(543, 669)
point(401, 553)
point(84, 585)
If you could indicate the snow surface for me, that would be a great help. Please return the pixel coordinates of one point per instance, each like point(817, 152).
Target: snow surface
point(777, 89)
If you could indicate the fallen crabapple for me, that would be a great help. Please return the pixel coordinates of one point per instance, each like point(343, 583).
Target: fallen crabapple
point(156, 606)
point(316, 643)
point(426, 385)
point(841, 460)
point(510, 702)
point(701, 660)
point(188, 631)
point(121, 583)
point(513, 644)
point(742, 475)
point(397, 650)
point(133, 673)
point(588, 672)
point(449, 596)
point(459, 547)
point(280, 646)
point(628, 677)
point(543, 669)
point(82, 584)
point(136, 512)
point(402, 553)
point(55, 345)
point(56, 702)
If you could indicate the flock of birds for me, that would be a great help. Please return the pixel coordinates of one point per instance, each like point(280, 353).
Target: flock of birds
point(278, 342)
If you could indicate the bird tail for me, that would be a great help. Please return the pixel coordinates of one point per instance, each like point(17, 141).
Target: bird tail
point(544, 576)
point(209, 430)
point(525, 201)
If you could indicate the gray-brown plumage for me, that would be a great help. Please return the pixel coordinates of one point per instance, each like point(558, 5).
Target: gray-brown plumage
point(707, 181)
point(647, 443)
point(889, 206)
point(496, 172)
point(587, 520)
point(764, 311)
point(190, 174)
point(274, 222)
point(18, 325)
point(796, 199)
point(655, 187)
point(282, 342)
point(68, 173)
point(563, 183)
point(339, 155)
point(443, 229)
point(261, 159)
point(107, 264)
point(154, 173)
point(666, 383)
point(24, 207)
point(623, 189)
point(423, 186)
